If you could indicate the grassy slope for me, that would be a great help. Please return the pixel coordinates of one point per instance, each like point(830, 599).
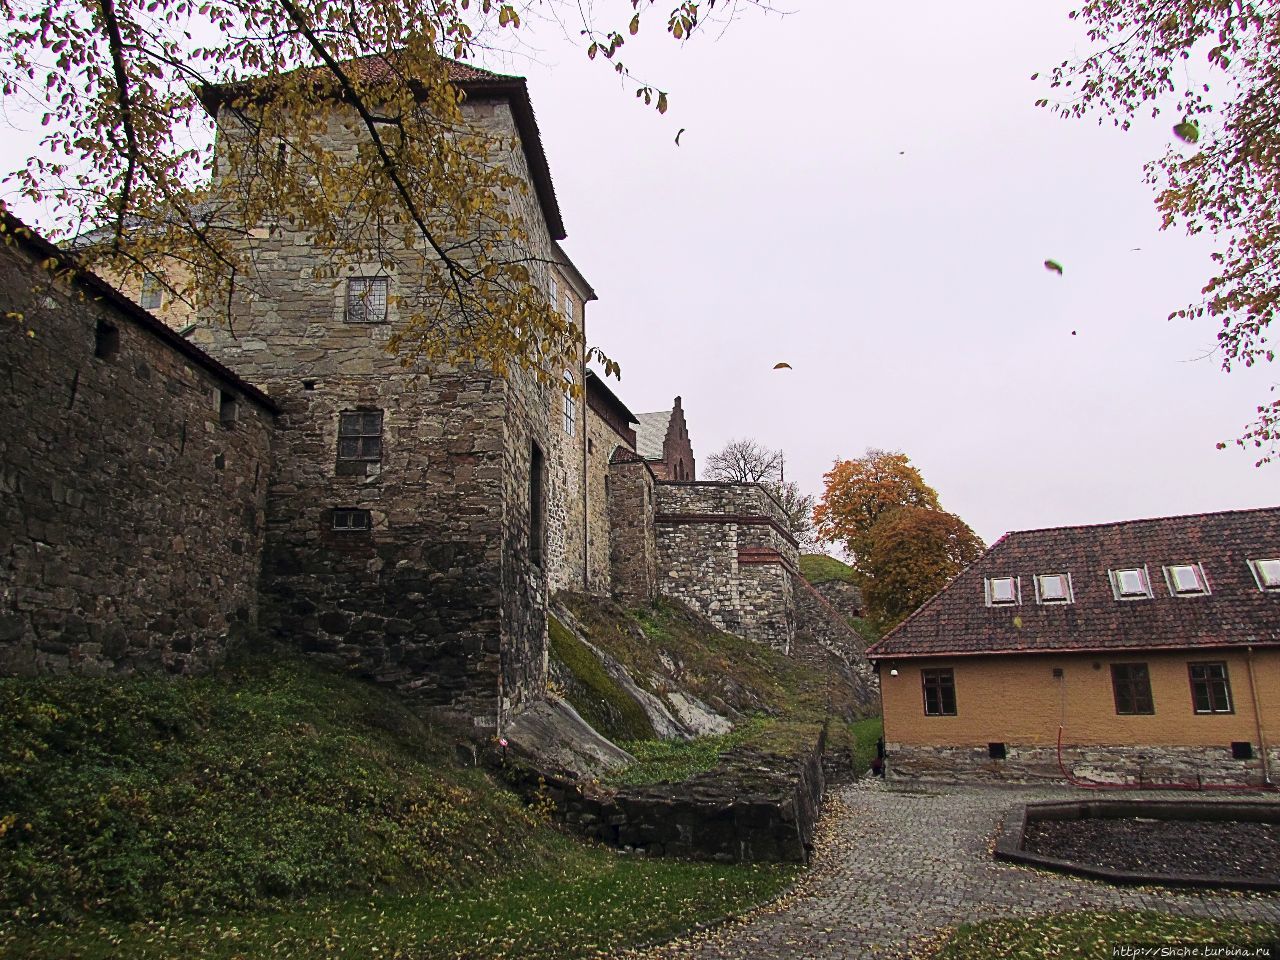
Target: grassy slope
point(275, 806)
point(593, 693)
point(665, 644)
point(819, 568)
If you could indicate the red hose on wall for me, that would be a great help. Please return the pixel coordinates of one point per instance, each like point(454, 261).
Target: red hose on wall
point(1096, 785)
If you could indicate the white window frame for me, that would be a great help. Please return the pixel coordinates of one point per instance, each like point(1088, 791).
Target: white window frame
point(990, 596)
point(570, 404)
point(1201, 580)
point(1114, 576)
point(1255, 566)
point(152, 290)
point(1069, 594)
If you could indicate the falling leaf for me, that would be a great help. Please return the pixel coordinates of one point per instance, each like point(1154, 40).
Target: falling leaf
point(1017, 622)
point(1053, 265)
point(1073, 333)
point(678, 132)
point(1186, 132)
point(782, 366)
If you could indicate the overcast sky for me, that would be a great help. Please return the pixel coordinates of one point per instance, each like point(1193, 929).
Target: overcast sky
point(867, 192)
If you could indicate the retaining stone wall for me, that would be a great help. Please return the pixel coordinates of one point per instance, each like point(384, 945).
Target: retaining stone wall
point(131, 516)
point(755, 808)
point(1105, 764)
point(725, 550)
point(604, 441)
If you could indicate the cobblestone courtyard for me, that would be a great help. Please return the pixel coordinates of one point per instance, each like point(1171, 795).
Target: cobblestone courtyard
point(895, 866)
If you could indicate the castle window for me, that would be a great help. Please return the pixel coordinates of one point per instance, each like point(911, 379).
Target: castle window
point(1210, 687)
point(568, 306)
point(360, 435)
point(555, 291)
point(152, 295)
point(1186, 580)
point(1131, 684)
point(570, 405)
point(106, 340)
point(228, 408)
point(348, 520)
point(1131, 583)
point(535, 505)
point(367, 299)
point(939, 692)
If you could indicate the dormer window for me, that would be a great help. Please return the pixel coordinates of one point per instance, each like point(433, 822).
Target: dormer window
point(1003, 591)
point(1131, 583)
point(1053, 588)
point(1267, 573)
point(1186, 580)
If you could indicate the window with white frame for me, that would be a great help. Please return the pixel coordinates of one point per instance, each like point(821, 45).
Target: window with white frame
point(1003, 591)
point(1186, 580)
point(1053, 588)
point(1266, 573)
point(570, 405)
point(367, 299)
point(568, 306)
point(152, 295)
point(555, 291)
point(1130, 583)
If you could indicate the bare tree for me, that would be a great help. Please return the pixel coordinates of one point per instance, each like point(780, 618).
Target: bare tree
point(749, 461)
point(744, 461)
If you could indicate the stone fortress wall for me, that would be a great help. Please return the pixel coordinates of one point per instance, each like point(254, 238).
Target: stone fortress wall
point(726, 550)
point(133, 481)
point(157, 506)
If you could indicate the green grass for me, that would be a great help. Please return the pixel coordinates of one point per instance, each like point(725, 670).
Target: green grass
point(674, 761)
point(865, 735)
point(1090, 934)
point(585, 902)
point(147, 797)
point(593, 693)
point(279, 810)
point(819, 568)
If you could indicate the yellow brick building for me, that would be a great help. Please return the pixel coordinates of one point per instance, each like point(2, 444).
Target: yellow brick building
point(1144, 652)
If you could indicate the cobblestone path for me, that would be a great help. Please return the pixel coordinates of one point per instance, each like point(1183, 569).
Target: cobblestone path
point(895, 867)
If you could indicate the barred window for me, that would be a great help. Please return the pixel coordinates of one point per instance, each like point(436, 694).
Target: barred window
point(349, 520)
point(1132, 686)
point(367, 299)
point(360, 435)
point(1210, 687)
point(939, 692)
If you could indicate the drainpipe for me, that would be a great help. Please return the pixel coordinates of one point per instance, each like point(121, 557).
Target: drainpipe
point(586, 467)
point(1257, 717)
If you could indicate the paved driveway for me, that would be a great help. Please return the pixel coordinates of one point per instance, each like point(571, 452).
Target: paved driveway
point(896, 866)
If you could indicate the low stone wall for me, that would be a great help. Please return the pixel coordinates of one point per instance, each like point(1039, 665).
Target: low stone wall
point(753, 808)
point(1111, 765)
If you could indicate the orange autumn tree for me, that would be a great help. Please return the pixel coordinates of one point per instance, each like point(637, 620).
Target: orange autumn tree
point(903, 546)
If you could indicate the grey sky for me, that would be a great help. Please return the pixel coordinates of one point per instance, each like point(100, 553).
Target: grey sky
point(867, 192)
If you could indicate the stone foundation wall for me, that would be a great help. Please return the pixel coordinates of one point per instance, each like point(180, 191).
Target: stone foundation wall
point(133, 482)
point(1118, 765)
point(725, 550)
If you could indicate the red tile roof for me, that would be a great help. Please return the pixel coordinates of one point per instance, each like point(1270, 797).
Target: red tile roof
point(957, 620)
